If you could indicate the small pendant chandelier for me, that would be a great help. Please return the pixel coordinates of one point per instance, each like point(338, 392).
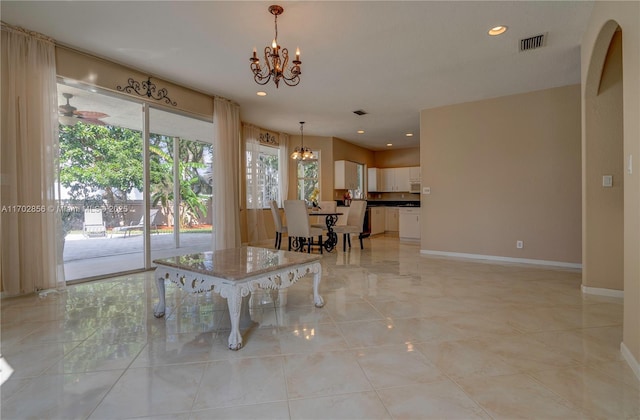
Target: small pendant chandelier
point(276, 65)
point(301, 152)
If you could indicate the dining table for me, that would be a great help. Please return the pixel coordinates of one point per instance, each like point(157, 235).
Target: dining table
point(331, 218)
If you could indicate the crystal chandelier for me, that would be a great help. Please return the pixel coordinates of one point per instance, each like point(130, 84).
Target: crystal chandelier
point(276, 59)
point(301, 152)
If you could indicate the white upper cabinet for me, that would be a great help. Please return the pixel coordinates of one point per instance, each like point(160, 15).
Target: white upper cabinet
point(414, 173)
point(402, 180)
point(387, 179)
point(345, 175)
point(374, 180)
point(392, 179)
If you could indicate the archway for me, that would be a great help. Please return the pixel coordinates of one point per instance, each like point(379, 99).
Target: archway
point(603, 169)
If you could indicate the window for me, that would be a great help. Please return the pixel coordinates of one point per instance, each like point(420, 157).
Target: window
point(358, 193)
point(262, 176)
point(308, 175)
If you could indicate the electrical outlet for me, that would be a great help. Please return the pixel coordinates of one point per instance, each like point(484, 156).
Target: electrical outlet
point(519, 244)
point(426, 190)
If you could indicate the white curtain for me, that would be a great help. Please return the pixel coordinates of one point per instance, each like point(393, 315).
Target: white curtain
point(226, 158)
point(30, 225)
point(283, 169)
point(256, 230)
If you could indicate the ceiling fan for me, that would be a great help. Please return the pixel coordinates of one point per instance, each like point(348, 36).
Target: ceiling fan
point(69, 115)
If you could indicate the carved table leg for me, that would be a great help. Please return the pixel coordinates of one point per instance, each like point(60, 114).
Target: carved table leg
point(317, 276)
point(282, 298)
point(159, 309)
point(234, 300)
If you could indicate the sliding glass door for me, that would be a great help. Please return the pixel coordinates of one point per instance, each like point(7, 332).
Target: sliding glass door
point(102, 187)
point(101, 182)
point(180, 158)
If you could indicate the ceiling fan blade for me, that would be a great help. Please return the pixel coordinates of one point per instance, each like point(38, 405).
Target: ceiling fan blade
point(91, 114)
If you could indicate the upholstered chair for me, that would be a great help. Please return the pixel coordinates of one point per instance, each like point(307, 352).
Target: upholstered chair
point(277, 221)
point(299, 227)
point(355, 223)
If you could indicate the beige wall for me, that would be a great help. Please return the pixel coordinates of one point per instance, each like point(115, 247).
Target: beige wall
point(603, 155)
point(93, 71)
point(502, 170)
point(606, 16)
point(343, 150)
point(397, 158)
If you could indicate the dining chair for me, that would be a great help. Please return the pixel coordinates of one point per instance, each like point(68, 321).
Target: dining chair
point(324, 206)
point(355, 223)
point(299, 227)
point(277, 221)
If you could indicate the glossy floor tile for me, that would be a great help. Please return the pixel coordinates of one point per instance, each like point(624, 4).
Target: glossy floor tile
point(402, 335)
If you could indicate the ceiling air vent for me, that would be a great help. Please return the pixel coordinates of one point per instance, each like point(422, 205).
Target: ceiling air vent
point(533, 42)
point(359, 112)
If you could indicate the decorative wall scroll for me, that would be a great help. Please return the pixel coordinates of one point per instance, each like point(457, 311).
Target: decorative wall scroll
point(147, 89)
point(266, 138)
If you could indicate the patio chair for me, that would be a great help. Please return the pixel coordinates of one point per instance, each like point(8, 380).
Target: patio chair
point(139, 225)
point(93, 224)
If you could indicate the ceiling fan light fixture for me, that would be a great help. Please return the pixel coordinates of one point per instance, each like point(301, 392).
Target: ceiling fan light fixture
point(68, 121)
point(69, 115)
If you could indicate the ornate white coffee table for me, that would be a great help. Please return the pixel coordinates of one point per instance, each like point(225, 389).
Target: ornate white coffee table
point(235, 273)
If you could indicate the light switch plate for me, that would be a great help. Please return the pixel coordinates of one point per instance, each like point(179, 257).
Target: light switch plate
point(426, 190)
point(607, 181)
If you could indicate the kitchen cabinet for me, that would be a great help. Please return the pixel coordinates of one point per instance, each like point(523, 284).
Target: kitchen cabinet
point(345, 175)
point(373, 180)
point(402, 180)
point(414, 173)
point(393, 180)
point(391, 219)
point(387, 179)
point(409, 223)
point(377, 220)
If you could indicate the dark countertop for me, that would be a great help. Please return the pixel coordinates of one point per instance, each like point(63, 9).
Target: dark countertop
point(388, 203)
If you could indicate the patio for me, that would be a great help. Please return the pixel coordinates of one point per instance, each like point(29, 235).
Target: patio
point(90, 257)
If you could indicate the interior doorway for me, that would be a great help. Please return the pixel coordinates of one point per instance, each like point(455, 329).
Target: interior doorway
point(603, 168)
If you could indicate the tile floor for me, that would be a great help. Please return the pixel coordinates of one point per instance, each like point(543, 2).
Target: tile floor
point(401, 336)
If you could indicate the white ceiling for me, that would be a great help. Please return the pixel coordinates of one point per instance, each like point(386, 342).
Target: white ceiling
point(389, 58)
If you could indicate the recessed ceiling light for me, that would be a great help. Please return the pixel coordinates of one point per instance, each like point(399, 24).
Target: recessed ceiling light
point(261, 93)
point(389, 144)
point(409, 134)
point(497, 30)
point(360, 131)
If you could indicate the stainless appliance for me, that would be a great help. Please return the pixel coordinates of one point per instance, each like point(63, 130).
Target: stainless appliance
point(366, 229)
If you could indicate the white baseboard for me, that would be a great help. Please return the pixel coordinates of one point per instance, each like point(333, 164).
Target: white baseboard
point(602, 292)
point(502, 259)
point(633, 363)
